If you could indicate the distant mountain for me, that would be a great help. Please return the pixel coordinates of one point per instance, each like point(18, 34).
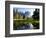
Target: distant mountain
point(21, 13)
point(27, 13)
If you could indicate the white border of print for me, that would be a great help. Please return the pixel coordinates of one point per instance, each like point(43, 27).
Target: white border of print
point(24, 31)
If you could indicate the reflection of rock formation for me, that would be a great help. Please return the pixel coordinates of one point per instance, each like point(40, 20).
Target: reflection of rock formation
point(25, 26)
point(31, 26)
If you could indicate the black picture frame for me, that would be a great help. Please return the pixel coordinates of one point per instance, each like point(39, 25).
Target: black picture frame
point(7, 18)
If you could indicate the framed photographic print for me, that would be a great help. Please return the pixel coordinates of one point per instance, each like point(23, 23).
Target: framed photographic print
point(24, 18)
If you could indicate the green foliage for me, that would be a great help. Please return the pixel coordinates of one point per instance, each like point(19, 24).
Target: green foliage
point(20, 22)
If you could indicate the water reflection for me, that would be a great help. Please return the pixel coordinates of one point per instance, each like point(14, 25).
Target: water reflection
point(25, 26)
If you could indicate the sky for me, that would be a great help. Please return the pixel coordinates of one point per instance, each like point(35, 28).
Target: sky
point(23, 10)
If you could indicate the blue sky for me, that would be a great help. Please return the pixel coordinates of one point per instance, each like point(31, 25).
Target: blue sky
point(23, 10)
